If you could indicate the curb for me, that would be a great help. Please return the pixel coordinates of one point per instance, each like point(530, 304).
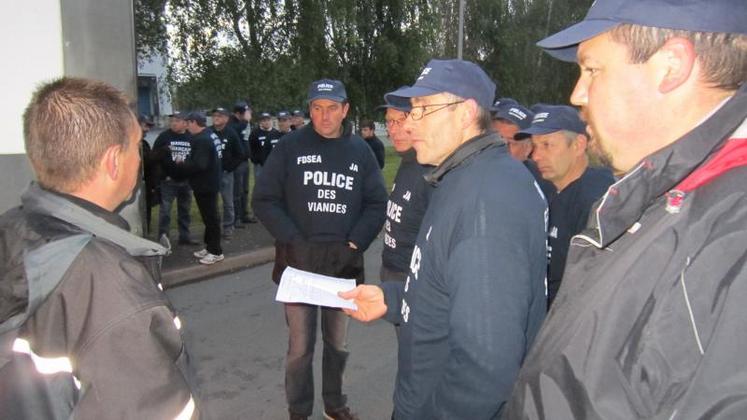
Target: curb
point(198, 272)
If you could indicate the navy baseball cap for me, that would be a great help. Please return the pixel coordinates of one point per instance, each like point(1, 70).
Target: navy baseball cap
point(502, 101)
point(458, 77)
point(179, 115)
point(327, 89)
point(552, 118)
point(264, 115)
point(725, 16)
point(396, 102)
point(283, 115)
point(197, 117)
point(221, 110)
point(515, 113)
point(297, 113)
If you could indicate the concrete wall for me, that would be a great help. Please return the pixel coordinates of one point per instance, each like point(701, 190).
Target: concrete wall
point(47, 39)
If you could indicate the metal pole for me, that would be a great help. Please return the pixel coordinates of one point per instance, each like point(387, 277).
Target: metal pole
point(460, 41)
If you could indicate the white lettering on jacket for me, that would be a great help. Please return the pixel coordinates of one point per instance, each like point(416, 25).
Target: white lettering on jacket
point(302, 160)
point(328, 179)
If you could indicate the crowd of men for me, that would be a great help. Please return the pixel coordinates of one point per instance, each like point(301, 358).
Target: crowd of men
point(496, 215)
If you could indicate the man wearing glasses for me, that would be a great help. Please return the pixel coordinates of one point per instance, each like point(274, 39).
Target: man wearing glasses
point(475, 296)
point(407, 201)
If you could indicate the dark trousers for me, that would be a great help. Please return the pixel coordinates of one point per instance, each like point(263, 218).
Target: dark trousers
point(181, 191)
point(208, 205)
point(386, 274)
point(299, 376)
point(241, 191)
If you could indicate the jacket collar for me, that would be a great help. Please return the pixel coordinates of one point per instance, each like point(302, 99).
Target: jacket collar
point(40, 201)
point(465, 151)
point(628, 198)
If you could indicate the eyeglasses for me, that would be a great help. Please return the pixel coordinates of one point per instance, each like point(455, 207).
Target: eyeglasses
point(418, 112)
point(396, 123)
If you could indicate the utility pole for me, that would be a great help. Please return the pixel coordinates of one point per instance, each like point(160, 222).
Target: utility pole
point(460, 41)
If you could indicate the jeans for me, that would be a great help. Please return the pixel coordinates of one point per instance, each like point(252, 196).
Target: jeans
point(208, 205)
point(226, 194)
point(299, 376)
point(181, 191)
point(241, 192)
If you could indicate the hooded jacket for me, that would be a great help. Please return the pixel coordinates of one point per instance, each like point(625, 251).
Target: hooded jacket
point(85, 331)
point(650, 319)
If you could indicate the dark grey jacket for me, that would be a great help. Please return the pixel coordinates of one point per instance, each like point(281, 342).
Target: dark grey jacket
point(650, 319)
point(105, 343)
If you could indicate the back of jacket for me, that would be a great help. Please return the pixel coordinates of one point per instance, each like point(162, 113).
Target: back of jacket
point(105, 343)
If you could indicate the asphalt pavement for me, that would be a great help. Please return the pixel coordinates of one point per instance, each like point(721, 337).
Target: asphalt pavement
point(237, 337)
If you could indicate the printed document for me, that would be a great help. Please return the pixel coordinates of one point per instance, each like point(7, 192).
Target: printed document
point(298, 286)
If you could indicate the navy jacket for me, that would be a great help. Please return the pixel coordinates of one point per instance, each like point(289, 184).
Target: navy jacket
point(475, 296)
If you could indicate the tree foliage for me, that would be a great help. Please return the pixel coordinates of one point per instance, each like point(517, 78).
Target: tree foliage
point(270, 50)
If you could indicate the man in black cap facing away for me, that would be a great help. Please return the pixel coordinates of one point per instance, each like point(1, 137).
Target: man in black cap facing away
point(649, 320)
point(559, 146)
point(475, 294)
point(322, 196)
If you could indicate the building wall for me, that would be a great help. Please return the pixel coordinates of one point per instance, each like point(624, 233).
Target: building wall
point(47, 39)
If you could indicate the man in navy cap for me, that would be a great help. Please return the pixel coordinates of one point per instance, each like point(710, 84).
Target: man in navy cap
point(649, 320)
point(261, 142)
point(559, 143)
point(297, 121)
point(322, 196)
point(242, 116)
point(284, 122)
point(475, 296)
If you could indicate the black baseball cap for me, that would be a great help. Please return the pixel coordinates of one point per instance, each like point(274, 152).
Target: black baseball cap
point(221, 110)
point(298, 113)
point(144, 119)
point(459, 77)
point(722, 16)
point(241, 106)
point(283, 115)
point(552, 118)
point(264, 115)
point(179, 115)
point(327, 89)
point(197, 117)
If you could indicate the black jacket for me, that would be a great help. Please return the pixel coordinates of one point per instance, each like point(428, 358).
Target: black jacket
point(569, 212)
point(377, 147)
point(169, 147)
point(475, 296)
point(203, 166)
point(650, 319)
point(319, 190)
point(405, 209)
point(261, 143)
point(106, 317)
point(231, 150)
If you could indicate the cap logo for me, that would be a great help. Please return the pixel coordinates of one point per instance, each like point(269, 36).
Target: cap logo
point(540, 117)
point(516, 112)
point(326, 87)
point(424, 73)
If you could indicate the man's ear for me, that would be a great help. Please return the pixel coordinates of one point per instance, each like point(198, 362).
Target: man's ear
point(581, 143)
point(471, 110)
point(676, 60)
point(111, 162)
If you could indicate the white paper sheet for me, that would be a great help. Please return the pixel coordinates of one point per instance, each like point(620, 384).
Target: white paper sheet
point(298, 286)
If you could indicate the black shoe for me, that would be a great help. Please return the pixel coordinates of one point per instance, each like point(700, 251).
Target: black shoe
point(188, 241)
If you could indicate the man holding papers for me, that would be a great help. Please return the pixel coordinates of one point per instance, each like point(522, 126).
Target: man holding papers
point(322, 196)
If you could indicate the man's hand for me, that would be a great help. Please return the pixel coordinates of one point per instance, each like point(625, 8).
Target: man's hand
point(370, 302)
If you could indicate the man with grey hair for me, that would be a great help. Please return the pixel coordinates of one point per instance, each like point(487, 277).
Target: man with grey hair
point(474, 296)
point(649, 320)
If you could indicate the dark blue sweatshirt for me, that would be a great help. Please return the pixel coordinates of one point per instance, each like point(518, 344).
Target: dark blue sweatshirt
point(569, 212)
point(475, 296)
point(321, 190)
point(173, 146)
point(203, 167)
point(405, 209)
